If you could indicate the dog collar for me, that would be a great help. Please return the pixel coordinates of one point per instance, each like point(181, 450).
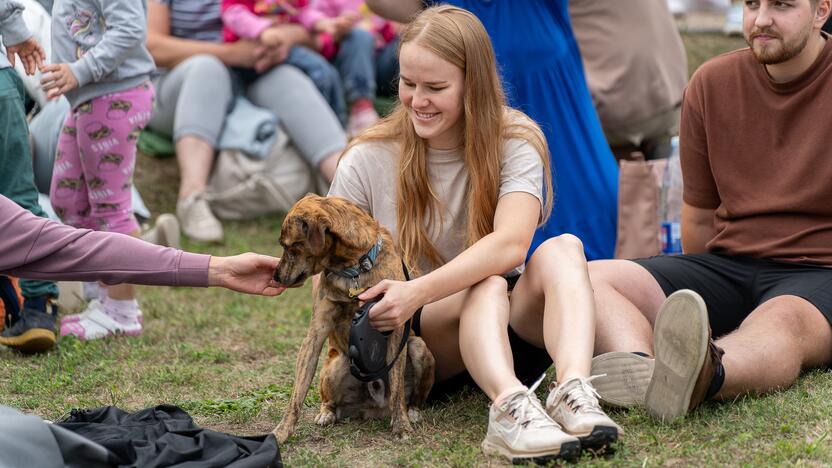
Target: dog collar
point(365, 263)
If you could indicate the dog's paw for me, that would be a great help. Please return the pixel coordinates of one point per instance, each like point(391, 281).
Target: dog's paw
point(282, 432)
point(414, 415)
point(401, 428)
point(325, 418)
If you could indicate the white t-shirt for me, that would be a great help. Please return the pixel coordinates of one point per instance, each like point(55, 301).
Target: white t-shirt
point(368, 175)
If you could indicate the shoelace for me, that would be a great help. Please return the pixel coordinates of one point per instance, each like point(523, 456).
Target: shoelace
point(201, 213)
point(584, 396)
point(531, 413)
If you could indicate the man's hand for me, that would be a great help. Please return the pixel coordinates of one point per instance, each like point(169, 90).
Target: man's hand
point(248, 273)
point(30, 52)
point(57, 80)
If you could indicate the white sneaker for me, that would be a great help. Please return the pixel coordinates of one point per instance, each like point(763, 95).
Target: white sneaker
point(93, 305)
point(165, 232)
point(520, 430)
point(196, 219)
point(574, 405)
point(623, 378)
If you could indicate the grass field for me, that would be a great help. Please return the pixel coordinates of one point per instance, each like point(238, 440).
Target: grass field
point(228, 359)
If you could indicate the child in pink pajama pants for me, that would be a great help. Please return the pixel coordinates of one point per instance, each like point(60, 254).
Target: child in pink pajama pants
point(103, 68)
point(96, 156)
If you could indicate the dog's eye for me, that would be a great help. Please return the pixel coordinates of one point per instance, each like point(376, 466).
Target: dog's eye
point(304, 227)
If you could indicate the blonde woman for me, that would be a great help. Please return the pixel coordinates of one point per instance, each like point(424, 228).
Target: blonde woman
point(462, 181)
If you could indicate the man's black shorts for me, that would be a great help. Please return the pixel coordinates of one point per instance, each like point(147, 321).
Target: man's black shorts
point(734, 286)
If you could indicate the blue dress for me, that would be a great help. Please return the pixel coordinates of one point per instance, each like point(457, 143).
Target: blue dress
point(541, 68)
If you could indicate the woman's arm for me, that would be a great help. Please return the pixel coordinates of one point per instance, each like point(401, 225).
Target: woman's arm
point(39, 248)
point(169, 51)
point(497, 253)
point(396, 10)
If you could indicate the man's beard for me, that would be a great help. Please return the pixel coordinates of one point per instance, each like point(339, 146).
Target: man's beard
point(777, 50)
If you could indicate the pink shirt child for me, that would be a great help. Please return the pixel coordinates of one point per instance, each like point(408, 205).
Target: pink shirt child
point(247, 19)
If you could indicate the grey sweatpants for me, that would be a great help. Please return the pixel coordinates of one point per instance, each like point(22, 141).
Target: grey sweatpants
point(194, 98)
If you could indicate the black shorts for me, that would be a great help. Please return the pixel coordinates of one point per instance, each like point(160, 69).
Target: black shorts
point(530, 362)
point(733, 286)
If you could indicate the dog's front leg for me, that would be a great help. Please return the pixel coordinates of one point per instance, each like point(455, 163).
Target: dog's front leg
point(304, 371)
point(398, 404)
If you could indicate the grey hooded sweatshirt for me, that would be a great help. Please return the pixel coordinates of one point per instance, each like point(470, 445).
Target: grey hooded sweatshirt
point(103, 41)
point(12, 28)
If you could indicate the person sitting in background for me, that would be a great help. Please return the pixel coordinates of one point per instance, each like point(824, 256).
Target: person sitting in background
point(364, 53)
point(194, 91)
point(747, 307)
point(261, 20)
point(636, 70)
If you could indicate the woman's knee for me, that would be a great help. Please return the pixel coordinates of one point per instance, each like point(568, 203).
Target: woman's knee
point(206, 67)
point(491, 290)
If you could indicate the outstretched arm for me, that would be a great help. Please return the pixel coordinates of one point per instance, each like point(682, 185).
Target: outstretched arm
point(39, 248)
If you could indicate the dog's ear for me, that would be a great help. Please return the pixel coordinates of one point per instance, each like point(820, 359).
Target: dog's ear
point(316, 234)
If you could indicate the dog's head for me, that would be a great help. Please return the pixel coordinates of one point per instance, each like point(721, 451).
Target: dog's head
point(323, 232)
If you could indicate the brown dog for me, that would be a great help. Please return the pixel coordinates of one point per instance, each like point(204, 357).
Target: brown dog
point(330, 235)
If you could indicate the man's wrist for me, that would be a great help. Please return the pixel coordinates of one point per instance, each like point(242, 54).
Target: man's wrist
point(215, 268)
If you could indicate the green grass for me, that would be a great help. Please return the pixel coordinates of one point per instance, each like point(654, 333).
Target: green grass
point(229, 360)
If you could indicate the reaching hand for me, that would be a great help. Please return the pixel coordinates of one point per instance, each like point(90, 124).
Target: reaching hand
point(401, 300)
point(30, 52)
point(57, 80)
point(248, 273)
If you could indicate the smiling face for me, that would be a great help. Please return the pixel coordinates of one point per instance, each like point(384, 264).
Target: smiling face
point(432, 90)
point(778, 30)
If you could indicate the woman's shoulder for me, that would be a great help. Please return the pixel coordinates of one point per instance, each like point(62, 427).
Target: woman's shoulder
point(371, 153)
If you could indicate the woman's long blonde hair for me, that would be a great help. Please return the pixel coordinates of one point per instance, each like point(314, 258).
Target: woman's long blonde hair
point(458, 37)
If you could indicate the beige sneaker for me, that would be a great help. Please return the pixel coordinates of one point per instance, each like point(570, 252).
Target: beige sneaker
point(196, 219)
point(521, 431)
point(574, 405)
point(686, 357)
point(165, 232)
point(622, 378)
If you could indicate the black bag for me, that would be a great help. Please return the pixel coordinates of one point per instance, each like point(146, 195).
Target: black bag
point(167, 436)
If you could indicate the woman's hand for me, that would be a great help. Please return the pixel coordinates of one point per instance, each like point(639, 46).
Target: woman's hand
point(401, 300)
point(57, 80)
point(248, 273)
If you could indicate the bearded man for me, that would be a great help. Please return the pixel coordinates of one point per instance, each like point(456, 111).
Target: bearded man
point(756, 231)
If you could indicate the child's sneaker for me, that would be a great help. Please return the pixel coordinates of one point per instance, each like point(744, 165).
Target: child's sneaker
point(574, 405)
point(93, 305)
point(361, 117)
point(520, 430)
point(96, 324)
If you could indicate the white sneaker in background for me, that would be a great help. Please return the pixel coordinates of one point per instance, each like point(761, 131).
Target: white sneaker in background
point(165, 232)
point(574, 405)
point(520, 430)
point(197, 220)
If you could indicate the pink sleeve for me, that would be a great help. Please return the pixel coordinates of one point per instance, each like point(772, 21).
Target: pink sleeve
point(243, 23)
point(318, 10)
point(39, 248)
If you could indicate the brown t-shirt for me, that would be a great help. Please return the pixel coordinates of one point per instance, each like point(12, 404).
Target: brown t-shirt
point(760, 154)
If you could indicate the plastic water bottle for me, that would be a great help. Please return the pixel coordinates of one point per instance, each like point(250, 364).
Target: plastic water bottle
point(670, 232)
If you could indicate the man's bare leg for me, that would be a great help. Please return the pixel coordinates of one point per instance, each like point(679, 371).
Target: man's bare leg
point(780, 338)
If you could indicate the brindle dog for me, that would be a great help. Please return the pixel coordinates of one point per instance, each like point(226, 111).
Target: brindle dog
point(326, 235)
